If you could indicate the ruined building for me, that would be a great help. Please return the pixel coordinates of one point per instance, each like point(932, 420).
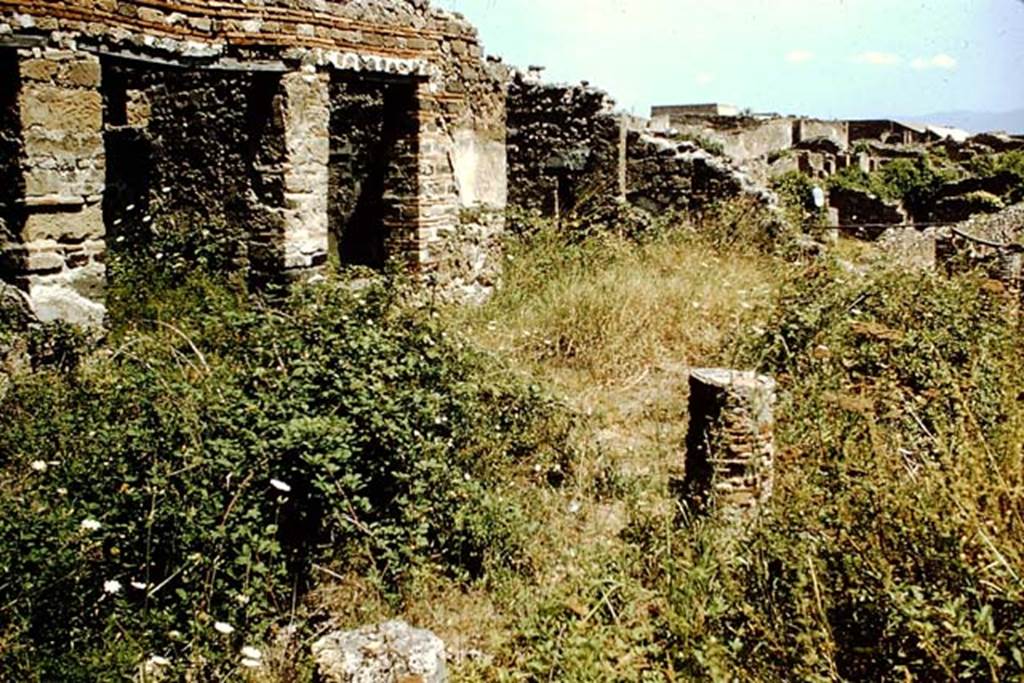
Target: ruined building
point(570, 151)
point(370, 130)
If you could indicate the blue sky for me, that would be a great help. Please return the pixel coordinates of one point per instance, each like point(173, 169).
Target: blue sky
point(829, 58)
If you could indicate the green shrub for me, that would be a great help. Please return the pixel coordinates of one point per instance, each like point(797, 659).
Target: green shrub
point(915, 182)
point(795, 190)
point(890, 550)
point(193, 471)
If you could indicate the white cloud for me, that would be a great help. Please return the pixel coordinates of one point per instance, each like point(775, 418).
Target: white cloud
point(942, 61)
point(799, 56)
point(877, 58)
point(705, 78)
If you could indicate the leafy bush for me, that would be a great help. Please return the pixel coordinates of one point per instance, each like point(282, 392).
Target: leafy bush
point(186, 478)
point(891, 547)
point(915, 182)
point(796, 192)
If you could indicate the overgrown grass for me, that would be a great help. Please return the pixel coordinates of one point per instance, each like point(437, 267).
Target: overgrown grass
point(892, 548)
point(542, 543)
point(609, 308)
point(199, 469)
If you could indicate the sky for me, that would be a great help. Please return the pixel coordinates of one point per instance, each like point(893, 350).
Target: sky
point(826, 58)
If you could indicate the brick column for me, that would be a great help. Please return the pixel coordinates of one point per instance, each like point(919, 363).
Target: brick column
point(421, 195)
point(730, 451)
point(54, 238)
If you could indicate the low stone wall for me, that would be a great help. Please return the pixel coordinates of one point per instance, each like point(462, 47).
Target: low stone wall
point(860, 208)
point(569, 151)
point(954, 251)
point(664, 175)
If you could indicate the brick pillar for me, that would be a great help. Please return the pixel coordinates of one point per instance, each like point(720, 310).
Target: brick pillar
point(730, 452)
point(54, 236)
point(305, 109)
point(422, 194)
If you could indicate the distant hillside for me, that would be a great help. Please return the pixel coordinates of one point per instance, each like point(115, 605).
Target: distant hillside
point(977, 121)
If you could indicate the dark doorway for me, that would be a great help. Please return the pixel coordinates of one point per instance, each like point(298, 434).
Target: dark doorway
point(373, 157)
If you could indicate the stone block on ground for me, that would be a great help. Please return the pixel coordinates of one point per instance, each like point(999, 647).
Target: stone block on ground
point(393, 652)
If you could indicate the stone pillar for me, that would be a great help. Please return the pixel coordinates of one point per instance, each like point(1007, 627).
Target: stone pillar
point(730, 444)
point(54, 235)
point(305, 111)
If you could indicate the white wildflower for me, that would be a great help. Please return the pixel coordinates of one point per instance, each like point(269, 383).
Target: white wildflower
point(280, 486)
point(39, 466)
point(251, 663)
point(249, 652)
point(90, 525)
point(224, 628)
point(157, 660)
point(113, 586)
point(575, 507)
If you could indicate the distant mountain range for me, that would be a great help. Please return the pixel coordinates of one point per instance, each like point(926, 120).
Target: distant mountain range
point(975, 121)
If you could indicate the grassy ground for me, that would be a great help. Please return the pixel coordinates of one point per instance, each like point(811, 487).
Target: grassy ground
point(612, 326)
point(892, 549)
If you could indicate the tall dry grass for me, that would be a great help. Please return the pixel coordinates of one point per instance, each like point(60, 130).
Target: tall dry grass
point(608, 308)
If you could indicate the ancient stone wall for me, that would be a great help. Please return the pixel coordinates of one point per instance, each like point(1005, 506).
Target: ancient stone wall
point(812, 129)
point(54, 221)
point(570, 152)
point(860, 208)
point(743, 139)
point(362, 146)
point(221, 113)
point(564, 145)
point(183, 150)
point(665, 175)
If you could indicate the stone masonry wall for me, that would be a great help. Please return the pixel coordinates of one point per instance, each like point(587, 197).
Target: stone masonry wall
point(12, 183)
point(563, 139)
point(254, 143)
point(55, 226)
point(666, 175)
point(362, 145)
point(184, 151)
point(570, 139)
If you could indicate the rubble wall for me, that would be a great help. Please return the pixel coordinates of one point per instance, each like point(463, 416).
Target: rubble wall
point(563, 146)
point(183, 149)
point(665, 175)
point(743, 139)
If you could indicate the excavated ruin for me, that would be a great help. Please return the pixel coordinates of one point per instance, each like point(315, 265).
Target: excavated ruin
point(370, 130)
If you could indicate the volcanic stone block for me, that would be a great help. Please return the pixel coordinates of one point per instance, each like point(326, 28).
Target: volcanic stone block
point(391, 652)
point(730, 451)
